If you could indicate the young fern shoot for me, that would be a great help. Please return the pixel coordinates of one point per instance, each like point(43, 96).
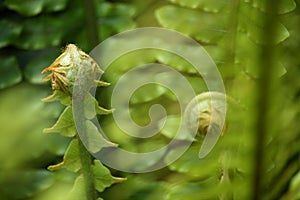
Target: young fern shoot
point(92, 176)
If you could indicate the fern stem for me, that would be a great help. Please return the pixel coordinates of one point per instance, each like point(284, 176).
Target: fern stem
point(91, 23)
point(266, 65)
point(86, 162)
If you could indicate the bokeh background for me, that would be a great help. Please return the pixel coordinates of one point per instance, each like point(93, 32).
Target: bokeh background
point(256, 46)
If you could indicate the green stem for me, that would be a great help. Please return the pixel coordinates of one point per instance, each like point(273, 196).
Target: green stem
point(266, 66)
point(91, 23)
point(86, 162)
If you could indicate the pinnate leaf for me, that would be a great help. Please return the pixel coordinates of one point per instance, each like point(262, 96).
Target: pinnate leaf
point(27, 8)
point(208, 6)
point(95, 140)
point(92, 107)
point(33, 7)
point(71, 159)
point(44, 29)
point(285, 6)
point(102, 176)
point(204, 27)
point(9, 32)
point(59, 96)
point(64, 125)
point(250, 22)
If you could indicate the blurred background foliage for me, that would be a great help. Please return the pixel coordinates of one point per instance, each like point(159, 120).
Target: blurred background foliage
point(235, 35)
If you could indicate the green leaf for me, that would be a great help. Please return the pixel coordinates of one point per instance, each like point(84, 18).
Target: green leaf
point(9, 32)
point(102, 83)
point(115, 25)
point(59, 96)
point(71, 159)
point(107, 9)
point(204, 27)
point(176, 61)
point(249, 65)
point(91, 107)
point(251, 23)
point(55, 5)
point(216, 53)
point(27, 8)
point(114, 18)
point(78, 190)
point(102, 111)
point(129, 61)
point(285, 6)
point(10, 73)
point(64, 125)
point(246, 47)
point(208, 6)
point(121, 9)
point(34, 7)
point(102, 176)
point(41, 32)
point(95, 140)
point(254, 31)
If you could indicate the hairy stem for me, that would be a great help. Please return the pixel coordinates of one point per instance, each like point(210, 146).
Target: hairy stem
point(86, 162)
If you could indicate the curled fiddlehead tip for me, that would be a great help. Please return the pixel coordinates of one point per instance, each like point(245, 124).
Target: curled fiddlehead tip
point(65, 68)
point(206, 112)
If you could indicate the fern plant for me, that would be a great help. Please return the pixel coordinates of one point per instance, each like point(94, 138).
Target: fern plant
point(246, 40)
point(92, 175)
point(255, 46)
point(244, 37)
